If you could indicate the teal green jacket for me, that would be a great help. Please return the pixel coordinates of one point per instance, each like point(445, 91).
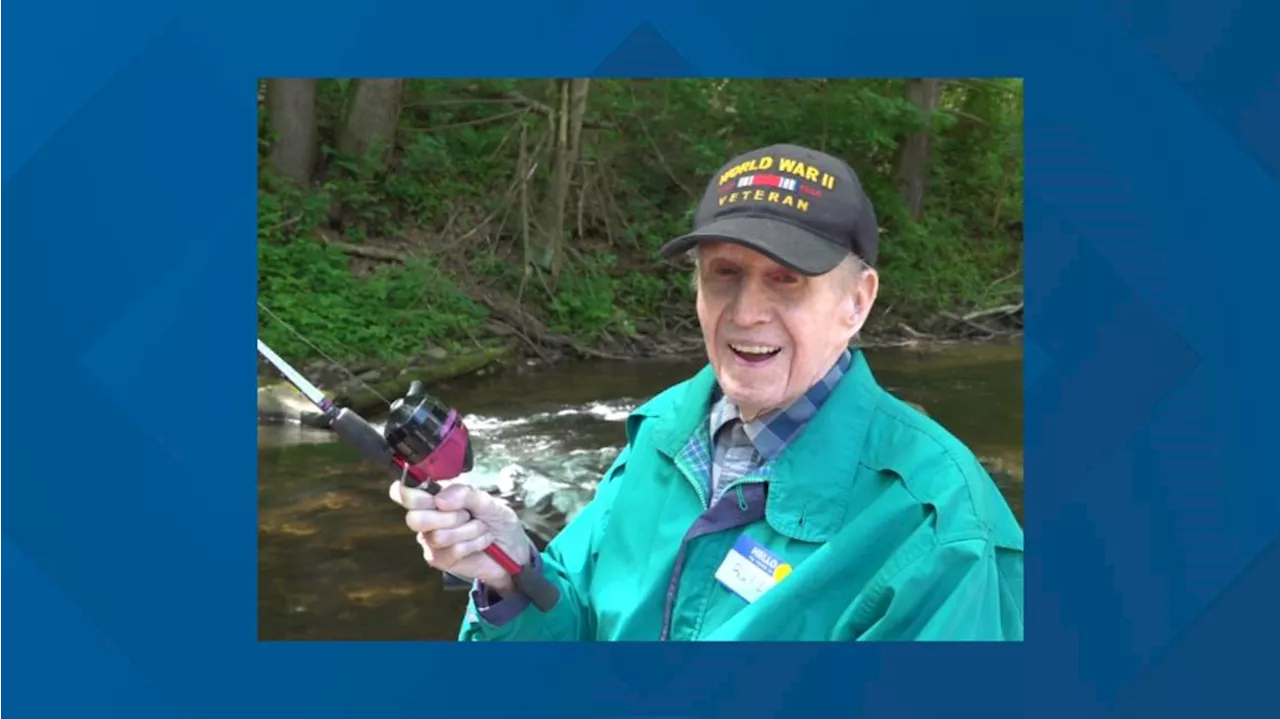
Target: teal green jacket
point(874, 524)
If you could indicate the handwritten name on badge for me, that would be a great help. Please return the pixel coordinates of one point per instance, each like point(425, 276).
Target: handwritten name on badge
point(749, 570)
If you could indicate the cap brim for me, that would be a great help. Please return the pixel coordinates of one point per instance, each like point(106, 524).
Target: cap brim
point(786, 244)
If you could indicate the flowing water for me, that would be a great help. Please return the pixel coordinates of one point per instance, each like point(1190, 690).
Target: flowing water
point(336, 561)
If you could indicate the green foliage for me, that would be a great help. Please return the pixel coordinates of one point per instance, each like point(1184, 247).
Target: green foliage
point(449, 192)
point(392, 312)
point(933, 270)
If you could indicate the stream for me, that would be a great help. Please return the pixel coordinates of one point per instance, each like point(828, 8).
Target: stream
point(336, 561)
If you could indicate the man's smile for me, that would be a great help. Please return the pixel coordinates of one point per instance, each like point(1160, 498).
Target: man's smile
point(754, 353)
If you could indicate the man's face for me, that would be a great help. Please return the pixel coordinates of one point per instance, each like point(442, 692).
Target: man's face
point(770, 332)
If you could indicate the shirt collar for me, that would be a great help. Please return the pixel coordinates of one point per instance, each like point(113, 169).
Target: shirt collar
point(771, 432)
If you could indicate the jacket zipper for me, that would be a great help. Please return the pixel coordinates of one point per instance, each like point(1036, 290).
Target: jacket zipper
point(674, 581)
point(738, 484)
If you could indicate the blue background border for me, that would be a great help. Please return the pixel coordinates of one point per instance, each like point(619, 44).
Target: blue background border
point(1152, 159)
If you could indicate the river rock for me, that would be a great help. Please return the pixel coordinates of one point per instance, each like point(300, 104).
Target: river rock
point(1005, 473)
point(317, 368)
point(323, 373)
point(549, 513)
point(545, 518)
point(392, 382)
point(281, 403)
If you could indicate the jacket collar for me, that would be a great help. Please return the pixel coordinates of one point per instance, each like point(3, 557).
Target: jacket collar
point(812, 480)
point(773, 432)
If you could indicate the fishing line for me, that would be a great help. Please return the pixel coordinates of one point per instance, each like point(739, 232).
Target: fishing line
point(312, 345)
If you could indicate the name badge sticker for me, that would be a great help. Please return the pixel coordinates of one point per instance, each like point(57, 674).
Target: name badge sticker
point(749, 570)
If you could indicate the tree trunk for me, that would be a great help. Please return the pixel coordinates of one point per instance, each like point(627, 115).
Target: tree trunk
point(291, 106)
point(913, 159)
point(371, 122)
point(577, 113)
point(570, 109)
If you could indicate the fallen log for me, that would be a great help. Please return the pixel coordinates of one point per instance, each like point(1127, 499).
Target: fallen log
point(369, 253)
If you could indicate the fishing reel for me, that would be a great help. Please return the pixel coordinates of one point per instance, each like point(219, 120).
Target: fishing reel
point(429, 436)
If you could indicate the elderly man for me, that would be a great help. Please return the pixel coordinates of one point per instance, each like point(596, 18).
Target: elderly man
point(778, 494)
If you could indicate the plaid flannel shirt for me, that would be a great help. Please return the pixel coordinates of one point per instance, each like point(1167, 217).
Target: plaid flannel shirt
point(726, 449)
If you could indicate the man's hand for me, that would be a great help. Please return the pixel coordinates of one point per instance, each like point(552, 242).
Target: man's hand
point(455, 526)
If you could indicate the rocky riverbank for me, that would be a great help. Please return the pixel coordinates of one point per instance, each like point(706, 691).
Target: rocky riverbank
point(365, 387)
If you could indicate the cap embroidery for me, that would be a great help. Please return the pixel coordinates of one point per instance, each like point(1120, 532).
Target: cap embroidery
point(735, 186)
point(786, 165)
point(775, 197)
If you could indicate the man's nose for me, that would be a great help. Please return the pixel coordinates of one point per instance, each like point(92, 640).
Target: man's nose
point(752, 305)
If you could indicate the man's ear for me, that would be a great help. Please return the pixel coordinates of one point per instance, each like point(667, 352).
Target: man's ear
point(864, 296)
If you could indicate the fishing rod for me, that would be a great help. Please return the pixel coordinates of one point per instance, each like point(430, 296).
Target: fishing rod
point(424, 442)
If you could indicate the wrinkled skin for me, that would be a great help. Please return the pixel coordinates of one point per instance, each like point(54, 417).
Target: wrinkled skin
point(455, 526)
point(747, 299)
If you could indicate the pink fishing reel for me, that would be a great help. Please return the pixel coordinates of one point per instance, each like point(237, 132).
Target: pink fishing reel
point(428, 436)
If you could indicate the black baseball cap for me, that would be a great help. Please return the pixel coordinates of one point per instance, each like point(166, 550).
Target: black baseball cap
point(802, 208)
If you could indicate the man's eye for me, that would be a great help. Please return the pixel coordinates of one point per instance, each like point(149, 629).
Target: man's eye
point(787, 279)
point(725, 271)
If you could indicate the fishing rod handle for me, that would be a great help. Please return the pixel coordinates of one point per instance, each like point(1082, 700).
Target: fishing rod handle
point(356, 431)
point(535, 586)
